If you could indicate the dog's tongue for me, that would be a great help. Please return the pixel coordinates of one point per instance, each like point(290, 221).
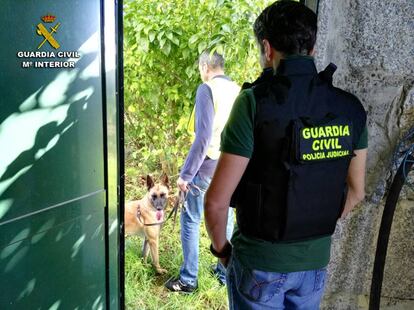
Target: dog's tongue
point(160, 213)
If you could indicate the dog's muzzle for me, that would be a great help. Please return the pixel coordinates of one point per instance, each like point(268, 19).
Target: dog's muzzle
point(159, 203)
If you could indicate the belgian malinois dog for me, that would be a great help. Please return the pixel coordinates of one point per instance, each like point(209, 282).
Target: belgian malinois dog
point(143, 217)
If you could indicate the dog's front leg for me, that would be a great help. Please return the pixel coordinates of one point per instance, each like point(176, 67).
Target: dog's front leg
point(145, 250)
point(153, 244)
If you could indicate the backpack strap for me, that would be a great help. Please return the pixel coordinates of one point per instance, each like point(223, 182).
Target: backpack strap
point(327, 74)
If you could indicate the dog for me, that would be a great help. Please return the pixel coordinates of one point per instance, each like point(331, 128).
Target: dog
point(148, 210)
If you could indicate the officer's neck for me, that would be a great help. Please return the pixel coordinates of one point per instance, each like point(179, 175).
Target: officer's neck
point(276, 57)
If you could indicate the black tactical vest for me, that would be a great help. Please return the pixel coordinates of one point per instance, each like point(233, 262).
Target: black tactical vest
point(305, 131)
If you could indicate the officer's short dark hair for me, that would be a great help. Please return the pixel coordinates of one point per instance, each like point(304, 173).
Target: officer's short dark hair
point(213, 60)
point(289, 26)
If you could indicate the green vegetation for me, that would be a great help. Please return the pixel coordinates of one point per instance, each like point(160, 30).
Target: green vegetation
point(162, 42)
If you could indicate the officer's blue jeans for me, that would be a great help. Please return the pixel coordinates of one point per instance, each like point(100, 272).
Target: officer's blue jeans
point(254, 289)
point(190, 230)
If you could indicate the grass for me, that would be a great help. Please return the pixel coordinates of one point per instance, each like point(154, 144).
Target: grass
point(145, 290)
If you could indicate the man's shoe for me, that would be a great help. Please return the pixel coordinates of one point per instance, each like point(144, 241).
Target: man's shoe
point(176, 285)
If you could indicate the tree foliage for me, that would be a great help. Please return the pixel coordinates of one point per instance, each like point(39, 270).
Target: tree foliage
point(163, 40)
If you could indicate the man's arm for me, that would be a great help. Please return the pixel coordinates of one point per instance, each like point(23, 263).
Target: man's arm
point(204, 117)
point(229, 171)
point(356, 181)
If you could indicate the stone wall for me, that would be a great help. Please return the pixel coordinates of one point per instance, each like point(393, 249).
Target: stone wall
point(372, 43)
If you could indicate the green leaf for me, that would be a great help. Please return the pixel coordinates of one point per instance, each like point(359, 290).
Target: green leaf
point(189, 71)
point(226, 28)
point(186, 53)
point(151, 35)
point(144, 45)
point(139, 27)
point(162, 42)
point(175, 41)
point(131, 109)
point(220, 49)
point(166, 48)
point(160, 34)
point(193, 39)
point(201, 47)
point(147, 29)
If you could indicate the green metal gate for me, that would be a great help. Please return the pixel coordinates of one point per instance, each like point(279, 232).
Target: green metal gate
point(60, 155)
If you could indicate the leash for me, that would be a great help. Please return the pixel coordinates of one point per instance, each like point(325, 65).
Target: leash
point(179, 200)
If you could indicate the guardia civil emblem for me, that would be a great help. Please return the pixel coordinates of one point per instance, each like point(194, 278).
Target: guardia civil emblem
point(44, 32)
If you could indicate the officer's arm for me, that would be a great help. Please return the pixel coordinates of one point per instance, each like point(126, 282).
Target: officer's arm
point(356, 181)
point(229, 171)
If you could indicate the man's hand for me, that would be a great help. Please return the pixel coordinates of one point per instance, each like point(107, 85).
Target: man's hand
point(225, 261)
point(224, 254)
point(356, 181)
point(182, 185)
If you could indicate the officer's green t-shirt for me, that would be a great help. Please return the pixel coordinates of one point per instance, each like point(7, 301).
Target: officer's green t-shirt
point(237, 138)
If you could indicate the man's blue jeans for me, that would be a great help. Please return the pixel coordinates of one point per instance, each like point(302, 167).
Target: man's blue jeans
point(254, 289)
point(190, 230)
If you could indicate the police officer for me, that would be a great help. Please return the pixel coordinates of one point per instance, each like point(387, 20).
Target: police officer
point(292, 163)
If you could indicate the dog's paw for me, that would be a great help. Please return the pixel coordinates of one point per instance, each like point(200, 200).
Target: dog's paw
point(161, 271)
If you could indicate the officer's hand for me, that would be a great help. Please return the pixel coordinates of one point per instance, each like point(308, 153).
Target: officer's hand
point(182, 185)
point(225, 261)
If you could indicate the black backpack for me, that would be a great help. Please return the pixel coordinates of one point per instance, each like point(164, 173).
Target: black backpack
point(294, 186)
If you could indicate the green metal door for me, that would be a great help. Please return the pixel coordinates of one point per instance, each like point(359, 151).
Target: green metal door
point(59, 158)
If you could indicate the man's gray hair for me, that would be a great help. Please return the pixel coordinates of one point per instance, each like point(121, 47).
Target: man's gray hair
point(213, 60)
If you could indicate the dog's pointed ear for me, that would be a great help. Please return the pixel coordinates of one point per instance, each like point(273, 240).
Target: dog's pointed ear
point(165, 181)
point(150, 182)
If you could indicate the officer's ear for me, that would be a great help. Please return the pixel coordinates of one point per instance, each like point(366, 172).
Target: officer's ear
point(312, 52)
point(268, 51)
point(271, 56)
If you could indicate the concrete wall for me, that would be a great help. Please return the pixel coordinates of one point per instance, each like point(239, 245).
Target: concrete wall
point(372, 43)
